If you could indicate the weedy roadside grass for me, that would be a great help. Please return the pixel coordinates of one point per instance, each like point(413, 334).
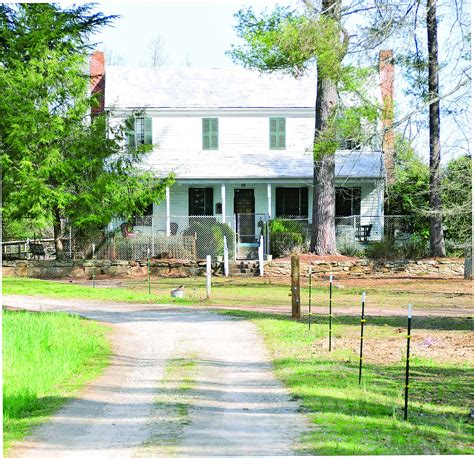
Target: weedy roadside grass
point(173, 405)
point(349, 419)
point(55, 289)
point(46, 358)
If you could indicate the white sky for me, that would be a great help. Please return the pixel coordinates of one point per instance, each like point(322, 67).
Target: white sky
point(197, 31)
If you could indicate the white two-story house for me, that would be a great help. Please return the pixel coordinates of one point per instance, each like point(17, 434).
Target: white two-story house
point(239, 144)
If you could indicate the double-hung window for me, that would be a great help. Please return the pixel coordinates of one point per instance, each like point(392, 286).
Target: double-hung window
point(348, 201)
point(210, 133)
point(200, 201)
point(277, 133)
point(139, 131)
point(292, 202)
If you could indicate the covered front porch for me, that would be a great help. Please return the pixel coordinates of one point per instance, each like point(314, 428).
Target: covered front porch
point(247, 206)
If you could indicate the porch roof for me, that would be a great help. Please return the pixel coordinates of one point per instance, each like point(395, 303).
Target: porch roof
point(217, 165)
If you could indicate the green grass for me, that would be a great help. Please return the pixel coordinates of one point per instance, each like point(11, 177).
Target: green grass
point(46, 358)
point(353, 420)
point(246, 292)
point(54, 289)
point(172, 406)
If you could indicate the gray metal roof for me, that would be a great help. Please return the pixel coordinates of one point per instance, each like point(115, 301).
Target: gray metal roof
point(206, 165)
point(161, 87)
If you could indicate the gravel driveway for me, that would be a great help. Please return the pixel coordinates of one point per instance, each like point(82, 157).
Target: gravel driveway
point(235, 406)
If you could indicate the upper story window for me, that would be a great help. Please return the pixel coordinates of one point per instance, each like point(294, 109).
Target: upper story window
point(348, 201)
point(139, 131)
point(277, 133)
point(210, 133)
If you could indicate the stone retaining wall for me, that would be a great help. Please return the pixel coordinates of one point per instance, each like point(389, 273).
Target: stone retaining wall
point(80, 269)
point(178, 268)
point(359, 267)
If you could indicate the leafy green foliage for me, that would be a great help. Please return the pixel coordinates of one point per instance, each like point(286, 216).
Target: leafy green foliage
point(456, 193)
point(286, 41)
point(409, 194)
point(57, 161)
point(286, 236)
point(210, 237)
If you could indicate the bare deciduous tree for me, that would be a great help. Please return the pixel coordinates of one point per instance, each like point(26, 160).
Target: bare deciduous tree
point(156, 53)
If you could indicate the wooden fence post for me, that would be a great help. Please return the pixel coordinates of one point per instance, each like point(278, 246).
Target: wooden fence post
point(295, 286)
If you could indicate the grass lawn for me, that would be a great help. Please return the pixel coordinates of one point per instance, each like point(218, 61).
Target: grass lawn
point(353, 420)
point(55, 289)
point(46, 358)
point(260, 292)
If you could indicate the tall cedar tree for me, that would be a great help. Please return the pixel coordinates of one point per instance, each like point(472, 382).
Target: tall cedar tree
point(58, 162)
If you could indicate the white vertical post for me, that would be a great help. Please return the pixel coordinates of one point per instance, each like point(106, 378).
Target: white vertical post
point(380, 210)
point(226, 257)
point(223, 202)
point(208, 276)
point(168, 212)
point(260, 256)
point(152, 235)
point(70, 242)
point(269, 200)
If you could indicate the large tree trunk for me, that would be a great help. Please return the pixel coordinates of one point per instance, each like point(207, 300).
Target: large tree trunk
point(58, 243)
point(323, 237)
point(436, 218)
point(323, 234)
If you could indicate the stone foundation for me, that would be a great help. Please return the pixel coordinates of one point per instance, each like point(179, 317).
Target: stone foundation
point(182, 268)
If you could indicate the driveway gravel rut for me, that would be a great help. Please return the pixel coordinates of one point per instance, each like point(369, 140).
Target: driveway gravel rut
point(235, 407)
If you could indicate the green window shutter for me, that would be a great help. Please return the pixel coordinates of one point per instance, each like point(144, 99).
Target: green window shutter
point(277, 133)
point(148, 137)
point(281, 139)
point(214, 133)
point(210, 134)
point(273, 133)
point(205, 134)
point(130, 131)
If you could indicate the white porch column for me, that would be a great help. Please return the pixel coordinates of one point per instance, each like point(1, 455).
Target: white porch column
point(168, 212)
point(223, 202)
point(269, 200)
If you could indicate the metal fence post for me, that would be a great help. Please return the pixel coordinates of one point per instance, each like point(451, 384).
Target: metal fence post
point(362, 321)
point(407, 370)
point(330, 312)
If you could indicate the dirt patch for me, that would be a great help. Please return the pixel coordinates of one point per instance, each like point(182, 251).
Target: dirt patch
point(440, 346)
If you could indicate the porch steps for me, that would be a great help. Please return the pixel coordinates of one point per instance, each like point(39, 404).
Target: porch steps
point(244, 269)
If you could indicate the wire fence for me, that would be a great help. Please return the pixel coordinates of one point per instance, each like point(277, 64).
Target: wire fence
point(194, 237)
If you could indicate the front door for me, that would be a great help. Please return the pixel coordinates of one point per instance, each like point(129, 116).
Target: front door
point(244, 208)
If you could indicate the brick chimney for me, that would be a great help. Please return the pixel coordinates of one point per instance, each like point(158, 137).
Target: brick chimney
point(387, 73)
point(97, 74)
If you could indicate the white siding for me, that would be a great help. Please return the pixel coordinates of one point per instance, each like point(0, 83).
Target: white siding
point(178, 136)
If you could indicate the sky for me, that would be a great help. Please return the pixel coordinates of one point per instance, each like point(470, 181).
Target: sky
point(194, 32)
point(198, 33)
